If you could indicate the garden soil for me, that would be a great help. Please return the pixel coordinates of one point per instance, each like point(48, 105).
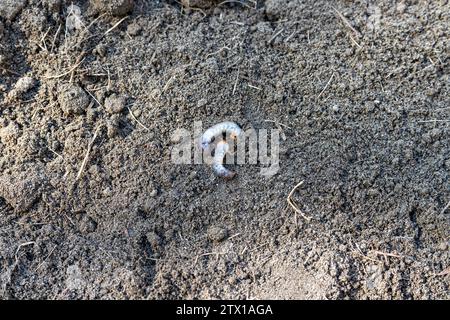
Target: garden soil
point(92, 205)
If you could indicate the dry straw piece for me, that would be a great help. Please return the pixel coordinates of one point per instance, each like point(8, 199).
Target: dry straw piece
point(294, 206)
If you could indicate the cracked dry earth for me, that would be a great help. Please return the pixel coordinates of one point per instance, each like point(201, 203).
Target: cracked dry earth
point(92, 207)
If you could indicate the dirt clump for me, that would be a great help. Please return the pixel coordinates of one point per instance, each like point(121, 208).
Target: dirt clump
point(9, 134)
point(73, 99)
point(22, 86)
point(115, 104)
point(217, 234)
point(22, 190)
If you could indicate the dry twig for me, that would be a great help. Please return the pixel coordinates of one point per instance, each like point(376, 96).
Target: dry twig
point(86, 157)
point(294, 205)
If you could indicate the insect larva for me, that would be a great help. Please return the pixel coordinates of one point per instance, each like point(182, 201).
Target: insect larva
point(227, 126)
point(219, 154)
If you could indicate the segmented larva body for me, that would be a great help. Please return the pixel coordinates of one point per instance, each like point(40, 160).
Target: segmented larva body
point(219, 154)
point(227, 126)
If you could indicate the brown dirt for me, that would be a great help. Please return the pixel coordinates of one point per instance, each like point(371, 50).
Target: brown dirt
point(91, 205)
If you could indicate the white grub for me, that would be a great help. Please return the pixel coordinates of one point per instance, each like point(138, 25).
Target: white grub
point(228, 127)
point(220, 151)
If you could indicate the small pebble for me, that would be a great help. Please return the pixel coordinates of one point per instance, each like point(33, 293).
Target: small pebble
point(73, 99)
point(115, 104)
point(217, 234)
point(134, 29)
